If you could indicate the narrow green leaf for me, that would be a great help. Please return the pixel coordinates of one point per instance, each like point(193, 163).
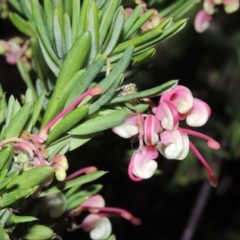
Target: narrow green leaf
point(108, 12)
point(86, 79)
point(29, 96)
point(141, 57)
point(5, 156)
point(26, 77)
point(52, 65)
point(83, 16)
point(10, 104)
point(67, 123)
point(3, 234)
point(23, 25)
point(2, 108)
point(106, 96)
point(114, 33)
point(77, 141)
point(74, 182)
point(167, 33)
point(14, 196)
point(6, 162)
point(16, 5)
point(73, 62)
point(67, 33)
point(131, 20)
point(93, 28)
point(31, 178)
point(15, 109)
point(100, 3)
point(101, 123)
point(120, 67)
point(48, 18)
point(37, 15)
point(14, 219)
point(68, 7)
point(75, 18)
point(141, 20)
point(58, 34)
point(145, 38)
point(153, 92)
point(26, 8)
point(59, 5)
point(39, 63)
point(8, 179)
point(18, 122)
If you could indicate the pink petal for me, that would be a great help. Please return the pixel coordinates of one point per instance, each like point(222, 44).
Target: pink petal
point(143, 164)
point(171, 144)
point(151, 130)
point(99, 227)
point(94, 201)
point(167, 114)
point(199, 114)
point(181, 97)
point(201, 22)
point(128, 129)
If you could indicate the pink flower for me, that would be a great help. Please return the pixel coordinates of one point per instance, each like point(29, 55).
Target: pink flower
point(142, 165)
point(201, 22)
point(167, 114)
point(208, 6)
point(151, 130)
point(174, 144)
point(99, 227)
point(181, 97)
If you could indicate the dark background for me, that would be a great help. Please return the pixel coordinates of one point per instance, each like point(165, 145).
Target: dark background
point(208, 64)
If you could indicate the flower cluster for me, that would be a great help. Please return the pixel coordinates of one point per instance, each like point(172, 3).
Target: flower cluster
point(160, 132)
point(204, 16)
point(97, 222)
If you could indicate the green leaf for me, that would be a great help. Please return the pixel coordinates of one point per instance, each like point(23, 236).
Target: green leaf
point(10, 104)
point(42, 32)
point(141, 57)
point(75, 18)
point(14, 196)
point(26, 77)
point(74, 182)
point(22, 25)
point(106, 96)
point(141, 20)
point(101, 123)
point(37, 232)
point(16, 5)
point(120, 67)
point(76, 199)
point(67, 33)
point(48, 18)
point(5, 155)
point(59, 5)
point(14, 219)
point(8, 179)
point(145, 38)
point(93, 28)
point(83, 16)
point(58, 34)
point(153, 92)
point(18, 122)
point(114, 33)
point(67, 123)
point(83, 83)
point(2, 108)
point(31, 178)
point(131, 20)
point(26, 8)
point(3, 234)
point(71, 65)
point(100, 3)
point(15, 109)
point(108, 12)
